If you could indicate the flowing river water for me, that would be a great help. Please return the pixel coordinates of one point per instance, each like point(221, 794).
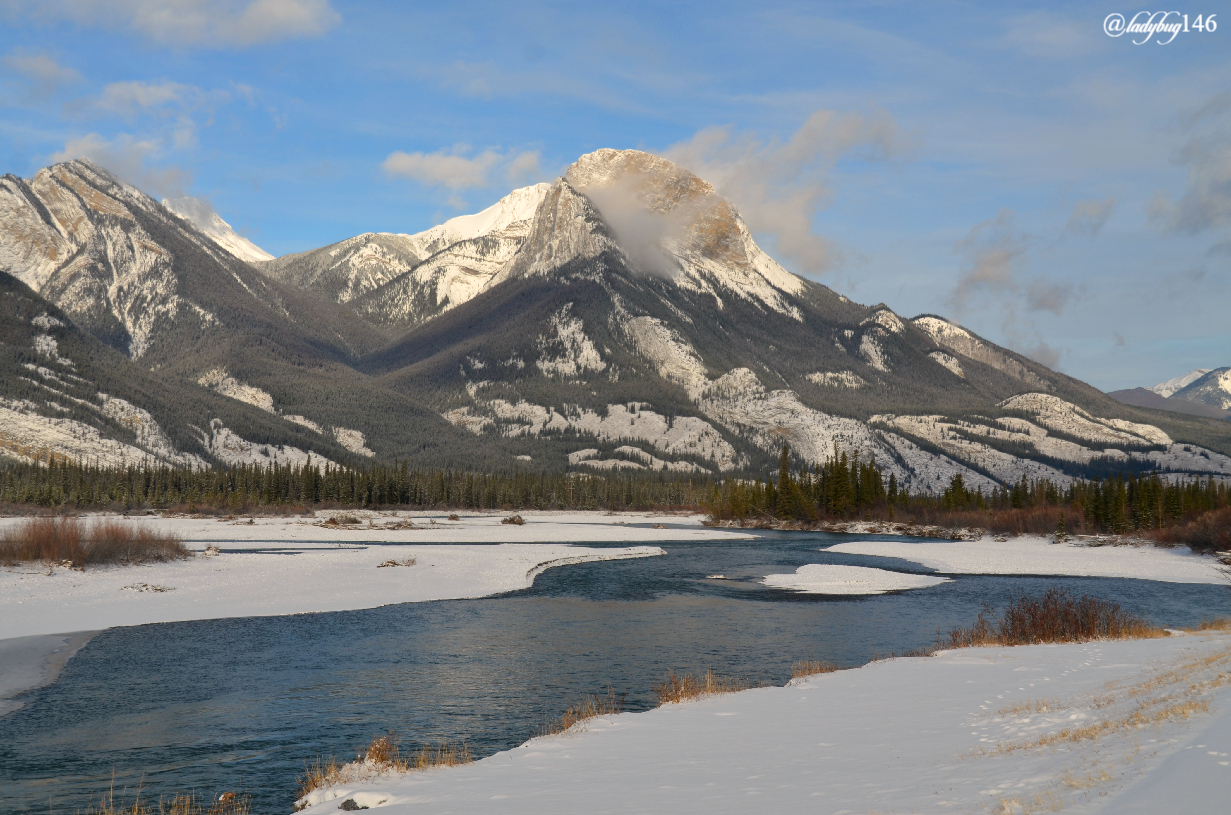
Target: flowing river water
point(243, 704)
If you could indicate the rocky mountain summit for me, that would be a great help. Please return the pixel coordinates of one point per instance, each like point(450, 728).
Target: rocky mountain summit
point(620, 318)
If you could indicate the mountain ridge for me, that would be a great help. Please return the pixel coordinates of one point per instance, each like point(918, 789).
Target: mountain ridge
point(621, 317)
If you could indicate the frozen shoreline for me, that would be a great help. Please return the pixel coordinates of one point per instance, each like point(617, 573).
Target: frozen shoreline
point(1035, 555)
point(972, 730)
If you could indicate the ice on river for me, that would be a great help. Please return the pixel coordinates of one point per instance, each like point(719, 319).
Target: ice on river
point(824, 578)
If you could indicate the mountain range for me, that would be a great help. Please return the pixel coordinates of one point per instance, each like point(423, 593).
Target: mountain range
point(1200, 392)
point(621, 317)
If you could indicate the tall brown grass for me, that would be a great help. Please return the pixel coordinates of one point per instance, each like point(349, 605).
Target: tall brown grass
point(1054, 617)
point(60, 540)
point(684, 687)
point(228, 803)
point(384, 754)
point(811, 667)
point(607, 705)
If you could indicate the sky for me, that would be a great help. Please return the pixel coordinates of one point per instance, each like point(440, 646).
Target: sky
point(1011, 167)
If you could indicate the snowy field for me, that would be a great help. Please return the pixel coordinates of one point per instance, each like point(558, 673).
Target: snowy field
point(1104, 727)
point(1033, 555)
point(824, 578)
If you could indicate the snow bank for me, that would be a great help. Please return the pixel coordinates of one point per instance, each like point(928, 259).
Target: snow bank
point(1037, 556)
point(280, 566)
point(818, 578)
point(963, 731)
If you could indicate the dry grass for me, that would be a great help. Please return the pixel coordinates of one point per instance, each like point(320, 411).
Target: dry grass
point(606, 705)
point(1054, 617)
point(73, 542)
point(229, 803)
point(382, 755)
point(1030, 706)
point(809, 667)
point(1218, 624)
point(1173, 694)
point(682, 688)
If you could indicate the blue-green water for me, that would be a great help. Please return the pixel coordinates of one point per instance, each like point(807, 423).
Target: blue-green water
point(243, 704)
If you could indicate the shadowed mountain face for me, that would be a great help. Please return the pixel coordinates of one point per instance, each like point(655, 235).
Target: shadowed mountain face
point(623, 317)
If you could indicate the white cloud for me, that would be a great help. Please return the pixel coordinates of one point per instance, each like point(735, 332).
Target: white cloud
point(778, 187)
point(129, 159)
point(126, 98)
point(209, 23)
point(45, 74)
point(455, 170)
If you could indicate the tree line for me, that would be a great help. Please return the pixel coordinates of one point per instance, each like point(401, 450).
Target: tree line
point(843, 487)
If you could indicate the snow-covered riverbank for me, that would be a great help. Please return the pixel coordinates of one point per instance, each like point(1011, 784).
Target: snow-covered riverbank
point(297, 565)
point(1035, 555)
point(1140, 726)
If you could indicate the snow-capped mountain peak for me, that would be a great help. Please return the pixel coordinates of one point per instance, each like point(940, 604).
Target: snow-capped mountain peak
point(201, 215)
point(1165, 389)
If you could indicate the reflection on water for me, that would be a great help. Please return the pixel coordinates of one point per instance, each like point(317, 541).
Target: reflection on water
point(228, 704)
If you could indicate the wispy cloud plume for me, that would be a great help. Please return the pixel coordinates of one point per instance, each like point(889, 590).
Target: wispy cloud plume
point(779, 187)
point(456, 169)
point(131, 160)
point(44, 74)
point(1089, 217)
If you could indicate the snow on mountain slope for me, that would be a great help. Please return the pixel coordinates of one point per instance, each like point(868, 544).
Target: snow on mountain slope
point(1059, 415)
point(958, 340)
point(219, 381)
point(1212, 388)
point(1169, 387)
point(672, 223)
point(397, 278)
point(71, 235)
point(201, 215)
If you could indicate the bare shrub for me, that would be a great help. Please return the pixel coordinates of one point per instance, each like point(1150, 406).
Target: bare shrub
point(1208, 532)
point(682, 688)
point(1054, 617)
point(516, 520)
point(594, 707)
point(105, 542)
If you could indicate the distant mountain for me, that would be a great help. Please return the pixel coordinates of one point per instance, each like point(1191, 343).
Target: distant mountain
point(1166, 389)
point(1149, 398)
point(204, 218)
point(622, 317)
point(404, 280)
point(1213, 389)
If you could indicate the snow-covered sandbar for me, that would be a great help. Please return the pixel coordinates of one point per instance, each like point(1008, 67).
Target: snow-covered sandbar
point(1033, 555)
point(1076, 728)
point(826, 578)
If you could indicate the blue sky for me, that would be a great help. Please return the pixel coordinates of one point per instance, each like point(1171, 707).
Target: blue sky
point(1059, 191)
